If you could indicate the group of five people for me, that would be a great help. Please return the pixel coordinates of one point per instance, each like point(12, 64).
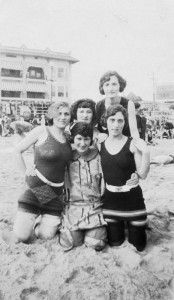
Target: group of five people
point(84, 184)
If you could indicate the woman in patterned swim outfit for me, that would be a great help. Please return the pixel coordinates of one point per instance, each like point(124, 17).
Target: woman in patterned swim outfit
point(120, 157)
point(83, 219)
point(44, 194)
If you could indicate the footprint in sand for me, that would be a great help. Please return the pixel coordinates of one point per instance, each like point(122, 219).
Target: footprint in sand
point(33, 293)
point(72, 276)
point(89, 270)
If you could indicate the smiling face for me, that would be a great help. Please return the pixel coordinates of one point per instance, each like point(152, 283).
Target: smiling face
point(82, 143)
point(63, 117)
point(115, 124)
point(111, 87)
point(84, 114)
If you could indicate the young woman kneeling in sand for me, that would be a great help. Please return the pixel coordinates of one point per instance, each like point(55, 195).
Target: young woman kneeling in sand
point(120, 157)
point(45, 182)
point(83, 220)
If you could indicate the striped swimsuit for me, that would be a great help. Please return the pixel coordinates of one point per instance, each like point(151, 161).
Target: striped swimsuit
point(117, 170)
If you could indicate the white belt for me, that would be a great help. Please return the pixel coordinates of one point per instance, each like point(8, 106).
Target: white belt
point(120, 189)
point(47, 181)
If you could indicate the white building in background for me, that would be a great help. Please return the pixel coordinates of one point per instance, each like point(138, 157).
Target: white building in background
point(165, 91)
point(164, 96)
point(33, 78)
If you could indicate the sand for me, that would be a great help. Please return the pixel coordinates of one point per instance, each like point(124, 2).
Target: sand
point(41, 270)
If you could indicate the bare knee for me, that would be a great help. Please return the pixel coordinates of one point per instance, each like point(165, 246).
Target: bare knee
point(48, 227)
point(97, 245)
point(23, 226)
point(45, 232)
point(96, 238)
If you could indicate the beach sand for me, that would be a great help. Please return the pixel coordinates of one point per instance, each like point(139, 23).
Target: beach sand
point(41, 270)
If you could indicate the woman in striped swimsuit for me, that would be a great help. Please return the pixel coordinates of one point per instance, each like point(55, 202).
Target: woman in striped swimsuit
point(123, 205)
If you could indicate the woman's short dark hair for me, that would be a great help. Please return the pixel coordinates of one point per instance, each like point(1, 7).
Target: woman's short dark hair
point(50, 122)
point(106, 77)
point(83, 103)
point(137, 105)
point(112, 110)
point(82, 128)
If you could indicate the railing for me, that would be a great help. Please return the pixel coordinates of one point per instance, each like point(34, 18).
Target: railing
point(35, 78)
point(30, 79)
point(14, 99)
point(11, 77)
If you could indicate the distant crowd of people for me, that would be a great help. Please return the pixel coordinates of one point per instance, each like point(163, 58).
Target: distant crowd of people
point(153, 128)
point(7, 121)
point(159, 128)
point(149, 128)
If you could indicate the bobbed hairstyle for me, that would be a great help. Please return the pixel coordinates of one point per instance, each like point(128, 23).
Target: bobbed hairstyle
point(83, 129)
point(53, 111)
point(106, 77)
point(112, 110)
point(83, 103)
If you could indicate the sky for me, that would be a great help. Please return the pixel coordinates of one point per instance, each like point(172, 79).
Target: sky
point(133, 37)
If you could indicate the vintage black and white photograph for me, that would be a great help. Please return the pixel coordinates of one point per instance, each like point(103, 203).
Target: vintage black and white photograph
point(86, 150)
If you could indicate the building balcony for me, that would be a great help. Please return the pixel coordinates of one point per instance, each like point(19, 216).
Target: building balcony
point(15, 77)
point(37, 87)
point(10, 99)
point(11, 85)
point(26, 100)
point(34, 79)
point(9, 78)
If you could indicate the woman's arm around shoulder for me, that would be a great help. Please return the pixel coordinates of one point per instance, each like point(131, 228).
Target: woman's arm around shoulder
point(98, 137)
point(132, 119)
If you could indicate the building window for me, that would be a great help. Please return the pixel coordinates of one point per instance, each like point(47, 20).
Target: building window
point(60, 73)
point(66, 91)
point(32, 73)
point(12, 94)
point(66, 73)
point(53, 91)
point(36, 95)
point(11, 55)
point(53, 73)
point(60, 91)
point(36, 73)
point(11, 73)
